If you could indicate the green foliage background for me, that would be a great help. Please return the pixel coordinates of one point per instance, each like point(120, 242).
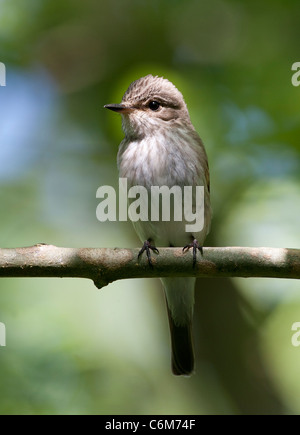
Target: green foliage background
point(72, 349)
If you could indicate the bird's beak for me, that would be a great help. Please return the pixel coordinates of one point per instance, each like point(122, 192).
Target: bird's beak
point(120, 108)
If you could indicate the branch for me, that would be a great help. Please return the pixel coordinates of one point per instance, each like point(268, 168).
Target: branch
point(106, 265)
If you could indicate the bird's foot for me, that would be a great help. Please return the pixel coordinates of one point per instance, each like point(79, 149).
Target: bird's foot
point(148, 247)
point(195, 245)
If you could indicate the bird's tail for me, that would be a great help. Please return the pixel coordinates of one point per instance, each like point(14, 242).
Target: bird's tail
point(180, 300)
point(182, 348)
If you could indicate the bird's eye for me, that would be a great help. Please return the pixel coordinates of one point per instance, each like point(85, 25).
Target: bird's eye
point(154, 105)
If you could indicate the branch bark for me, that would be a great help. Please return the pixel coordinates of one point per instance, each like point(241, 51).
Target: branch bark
point(105, 265)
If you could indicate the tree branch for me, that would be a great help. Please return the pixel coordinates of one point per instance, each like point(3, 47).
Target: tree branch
point(106, 265)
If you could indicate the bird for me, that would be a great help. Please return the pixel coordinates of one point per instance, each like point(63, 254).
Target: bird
point(162, 148)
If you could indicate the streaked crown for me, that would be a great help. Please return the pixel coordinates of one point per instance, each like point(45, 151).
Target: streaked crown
point(150, 103)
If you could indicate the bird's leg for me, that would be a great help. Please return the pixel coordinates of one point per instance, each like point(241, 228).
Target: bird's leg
point(148, 247)
point(195, 246)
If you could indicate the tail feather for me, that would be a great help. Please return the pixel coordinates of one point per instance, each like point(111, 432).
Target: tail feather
point(182, 348)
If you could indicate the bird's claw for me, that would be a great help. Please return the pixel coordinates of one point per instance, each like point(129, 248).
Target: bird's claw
point(195, 246)
point(148, 247)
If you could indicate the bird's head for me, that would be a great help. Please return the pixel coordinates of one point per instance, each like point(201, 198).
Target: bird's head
point(149, 104)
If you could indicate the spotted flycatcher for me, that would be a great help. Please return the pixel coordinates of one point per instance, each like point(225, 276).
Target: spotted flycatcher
point(162, 148)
